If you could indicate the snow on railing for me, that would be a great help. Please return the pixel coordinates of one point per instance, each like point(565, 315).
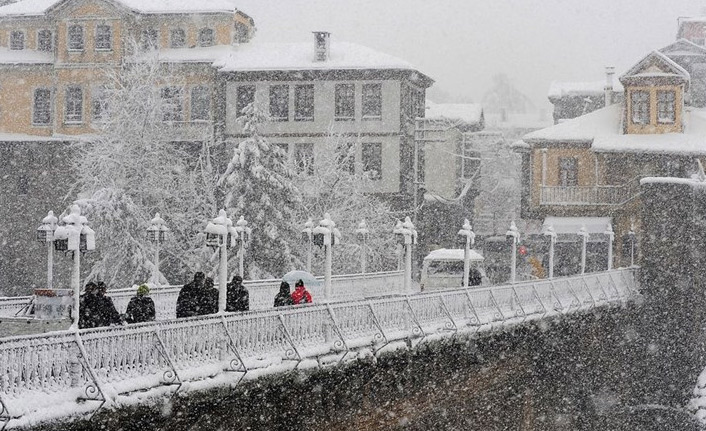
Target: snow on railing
point(44, 375)
point(10, 306)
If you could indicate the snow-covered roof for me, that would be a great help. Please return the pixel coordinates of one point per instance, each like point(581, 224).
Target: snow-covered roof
point(209, 54)
point(300, 56)
point(571, 225)
point(40, 7)
point(25, 56)
point(683, 47)
point(605, 121)
point(454, 254)
point(650, 67)
point(19, 137)
point(470, 113)
point(558, 89)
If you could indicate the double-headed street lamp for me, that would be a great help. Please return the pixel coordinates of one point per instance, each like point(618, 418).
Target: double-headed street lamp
point(406, 235)
point(243, 233)
point(307, 237)
point(45, 234)
point(326, 234)
point(75, 236)
point(156, 233)
point(470, 238)
point(220, 234)
point(515, 235)
point(362, 233)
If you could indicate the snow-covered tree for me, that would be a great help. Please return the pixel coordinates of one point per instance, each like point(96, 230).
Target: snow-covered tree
point(141, 161)
point(258, 185)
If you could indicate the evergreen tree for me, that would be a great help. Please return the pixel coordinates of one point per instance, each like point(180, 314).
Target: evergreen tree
point(258, 185)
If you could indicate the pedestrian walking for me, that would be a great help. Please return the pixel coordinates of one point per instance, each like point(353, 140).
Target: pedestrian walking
point(208, 298)
point(88, 306)
point(300, 294)
point(188, 303)
point(107, 314)
point(141, 306)
point(238, 297)
point(283, 297)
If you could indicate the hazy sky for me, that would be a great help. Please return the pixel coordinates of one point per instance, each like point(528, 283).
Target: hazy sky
point(461, 44)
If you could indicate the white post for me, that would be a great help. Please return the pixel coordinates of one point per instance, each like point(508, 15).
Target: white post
point(611, 236)
point(45, 234)
point(223, 276)
point(583, 233)
point(362, 233)
point(76, 284)
point(327, 272)
point(408, 234)
point(327, 228)
point(515, 234)
point(552, 240)
point(470, 236)
point(217, 232)
point(155, 270)
point(631, 234)
point(50, 265)
point(408, 267)
point(156, 233)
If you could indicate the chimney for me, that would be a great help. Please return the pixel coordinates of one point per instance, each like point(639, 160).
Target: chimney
point(608, 89)
point(321, 45)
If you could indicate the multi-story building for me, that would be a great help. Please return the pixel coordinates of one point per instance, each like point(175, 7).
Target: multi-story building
point(586, 170)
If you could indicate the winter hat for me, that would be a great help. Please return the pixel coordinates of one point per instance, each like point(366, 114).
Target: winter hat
point(143, 290)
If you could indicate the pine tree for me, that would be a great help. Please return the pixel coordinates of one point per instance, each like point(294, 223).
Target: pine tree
point(258, 185)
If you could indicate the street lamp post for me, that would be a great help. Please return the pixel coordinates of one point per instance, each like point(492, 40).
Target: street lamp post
point(219, 234)
point(631, 234)
point(407, 235)
point(156, 233)
point(470, 238)
point(362, 232)
point(515, 234)
point(552, 240)
point(243, 233)
point(307, 233)
point(45, 234)
point(583, 233)
point(611, 236)
point(326, 234)
point(75, 236)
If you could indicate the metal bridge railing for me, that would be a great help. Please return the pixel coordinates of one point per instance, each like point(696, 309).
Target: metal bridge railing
point(40, 372)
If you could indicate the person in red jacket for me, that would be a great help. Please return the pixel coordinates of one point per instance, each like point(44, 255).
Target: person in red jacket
point(300, 294)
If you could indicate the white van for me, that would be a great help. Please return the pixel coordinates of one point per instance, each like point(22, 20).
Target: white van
point(443, 269)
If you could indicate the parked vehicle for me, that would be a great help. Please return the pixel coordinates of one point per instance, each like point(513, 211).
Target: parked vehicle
point(443, 269)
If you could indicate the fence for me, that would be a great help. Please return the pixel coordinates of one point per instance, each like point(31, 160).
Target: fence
point(43, 376)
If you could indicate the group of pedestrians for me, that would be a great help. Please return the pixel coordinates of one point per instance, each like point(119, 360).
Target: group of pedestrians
point(199, 297)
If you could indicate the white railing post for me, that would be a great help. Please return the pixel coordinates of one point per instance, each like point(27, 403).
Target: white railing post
point(583, 233)
point(552, 240)
point(611, 236)
point(515, 235)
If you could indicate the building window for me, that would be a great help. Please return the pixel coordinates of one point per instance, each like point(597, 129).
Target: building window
point(17, 40)
point(372, 101)
point(74, 105)
point(345, 102)
point(568, 172)
point(149, 39)
point(206, 37)
point(200, 104)
point(666, 101)
point(177, 38)
point(371, 157)
point(75, 38)
point(41, 114)
point(304, 102)
point(99, 104)
point(345, 157)
point(172, 109)
point(45, 40)
point(279, 102)
point(640, 107)
point(245, 96)
point(304, 158)
point(104, 37)
point(417, 103)
point(241, 33)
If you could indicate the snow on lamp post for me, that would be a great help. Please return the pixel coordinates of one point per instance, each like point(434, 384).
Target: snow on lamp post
point(45, 234)
point(217, 232)
point(307, 237)
point(470, 238)
point(611, 236)
point(407, 235)
point(515, 235)
point(362, 232)
point(243, 233)
point(583, 233)
point(552, 240)
point(156, 233)
point(631, 235)
point(326, 234)
point(76, 237)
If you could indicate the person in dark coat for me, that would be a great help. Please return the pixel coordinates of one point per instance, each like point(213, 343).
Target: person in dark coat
point(88, 307)
point(283, 298)
point(107, 314)
point(188, 302)
point(237, 297)
point(208, 298)
point(300, 294)
point(141, 306)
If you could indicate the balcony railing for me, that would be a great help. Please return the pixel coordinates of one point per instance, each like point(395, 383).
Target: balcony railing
point(609, 195)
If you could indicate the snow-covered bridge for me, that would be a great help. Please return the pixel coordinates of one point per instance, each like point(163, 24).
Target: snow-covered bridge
point(63, 373)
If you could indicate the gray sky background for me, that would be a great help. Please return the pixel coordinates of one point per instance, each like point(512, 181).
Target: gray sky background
point(462, 44)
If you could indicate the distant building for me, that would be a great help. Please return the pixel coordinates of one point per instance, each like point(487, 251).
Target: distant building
point(573, 99)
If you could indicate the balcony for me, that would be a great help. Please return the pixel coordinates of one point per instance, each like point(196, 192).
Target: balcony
point(607, 195)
